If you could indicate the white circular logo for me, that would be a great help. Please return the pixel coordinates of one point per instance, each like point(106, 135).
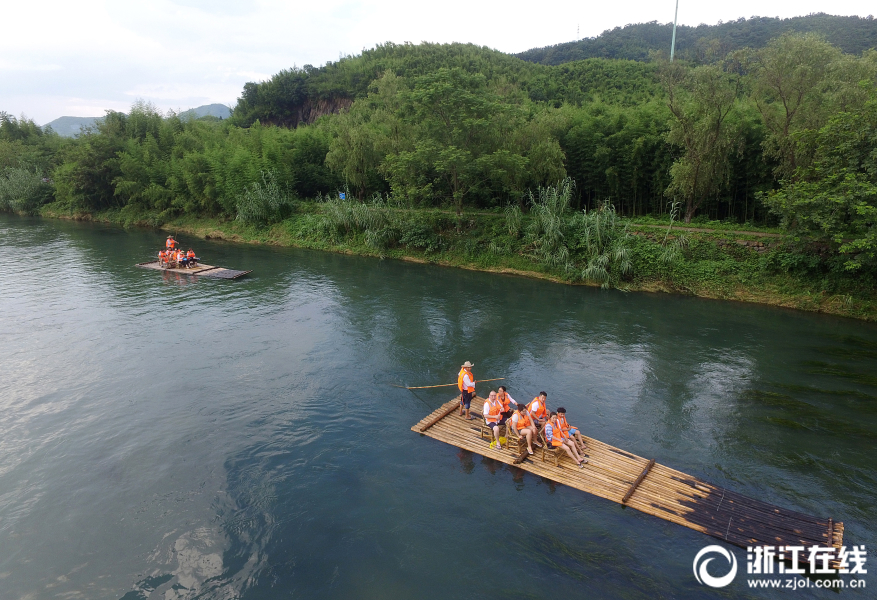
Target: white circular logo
point(701, 574)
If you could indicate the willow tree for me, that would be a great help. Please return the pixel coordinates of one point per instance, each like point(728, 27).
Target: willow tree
point(795, 80)
point(701, 101)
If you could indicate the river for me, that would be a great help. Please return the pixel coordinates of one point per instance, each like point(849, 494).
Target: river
point(173, 437)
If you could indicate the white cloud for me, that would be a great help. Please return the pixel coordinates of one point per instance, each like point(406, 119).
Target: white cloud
point(176, 52)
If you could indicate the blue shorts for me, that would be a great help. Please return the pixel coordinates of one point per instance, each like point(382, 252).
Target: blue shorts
point(492, 425)
point(573, 430)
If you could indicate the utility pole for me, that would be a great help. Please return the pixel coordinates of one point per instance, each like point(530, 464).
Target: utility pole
point(673, 43)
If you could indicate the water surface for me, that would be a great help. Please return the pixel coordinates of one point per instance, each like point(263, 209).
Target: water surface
point(174, 437)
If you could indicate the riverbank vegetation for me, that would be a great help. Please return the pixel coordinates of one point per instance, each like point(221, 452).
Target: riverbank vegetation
point(463, 155)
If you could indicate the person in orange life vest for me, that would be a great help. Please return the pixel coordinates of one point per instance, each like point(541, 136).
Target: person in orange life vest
point(466, 383)
point(170, 243)
point(162, 258)
point(190, 256)
point(539, 410)
point(506, 401)
point(556, 438)
point(573, 432)
point(524, 426)
point(493, 416)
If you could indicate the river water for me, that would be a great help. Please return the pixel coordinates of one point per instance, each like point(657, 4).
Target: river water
point(172, 437)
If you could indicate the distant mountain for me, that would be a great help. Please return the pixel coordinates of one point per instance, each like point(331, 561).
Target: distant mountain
point(853, 35)
point(220, 111)
point(70, 126)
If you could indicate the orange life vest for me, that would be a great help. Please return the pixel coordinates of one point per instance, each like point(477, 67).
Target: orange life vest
point(494, 412)
point(523, 421)
point(564, 424)
point(556, 434)
point(190, 254)
point(541, 413)
point(161, 255)
point(503, 399)
point(170, 244)
point(460, 380)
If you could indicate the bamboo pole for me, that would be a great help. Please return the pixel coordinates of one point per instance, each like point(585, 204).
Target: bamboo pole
point(426, 387)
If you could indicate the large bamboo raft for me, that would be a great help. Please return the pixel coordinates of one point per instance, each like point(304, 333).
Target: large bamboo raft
point(649, 487)
point(202, 270)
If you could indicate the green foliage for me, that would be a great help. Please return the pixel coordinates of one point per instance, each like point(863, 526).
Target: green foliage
point(835, 197)
point(594, 241)
point(23, 190)
point(27, 154)
point(700, 100)
point(264, 201)
point(603, 242)
point(707, 43)
point(434, 126)
point(549, 224)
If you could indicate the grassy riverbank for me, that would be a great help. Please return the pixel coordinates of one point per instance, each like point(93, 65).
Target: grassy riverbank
point(715, 263)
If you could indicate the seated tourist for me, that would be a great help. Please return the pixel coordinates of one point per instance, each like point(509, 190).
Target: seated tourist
point(556, 438)
point(162, 258)
point(525, 427)
point(572, 431)
point(190, 256)
point(506, 401)
point(181, 259)
point(493, 415)
point(539, 410)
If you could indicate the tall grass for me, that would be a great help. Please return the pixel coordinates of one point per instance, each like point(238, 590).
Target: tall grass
point(264, 201)
point(592, 244)
point(603, 244)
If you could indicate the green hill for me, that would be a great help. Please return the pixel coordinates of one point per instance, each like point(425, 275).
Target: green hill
point(853, 35)
point(302, 95)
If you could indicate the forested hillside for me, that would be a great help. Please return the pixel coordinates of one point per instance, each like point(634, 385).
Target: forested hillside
point(778, 135)
point(708, 43)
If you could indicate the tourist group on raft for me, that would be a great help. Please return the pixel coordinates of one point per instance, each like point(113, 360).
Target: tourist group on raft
point(172, 255)
point(526, 420)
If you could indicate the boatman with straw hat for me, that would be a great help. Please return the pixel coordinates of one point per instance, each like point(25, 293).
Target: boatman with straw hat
point(466, 383)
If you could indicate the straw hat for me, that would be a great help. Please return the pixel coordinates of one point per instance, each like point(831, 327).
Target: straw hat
point(467, 365)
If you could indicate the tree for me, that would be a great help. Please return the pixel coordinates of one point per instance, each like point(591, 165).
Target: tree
point(834, 198)
point(462, 130)
point(790, 86)
point(700, 101)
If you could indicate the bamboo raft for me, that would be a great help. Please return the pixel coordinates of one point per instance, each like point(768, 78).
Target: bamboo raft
point(649, 487)
point(203, 270)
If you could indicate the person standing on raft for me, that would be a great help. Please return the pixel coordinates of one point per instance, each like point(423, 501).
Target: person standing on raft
point(466, 383)
point(170, 243)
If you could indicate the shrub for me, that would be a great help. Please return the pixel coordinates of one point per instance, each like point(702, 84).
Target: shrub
point(23, 190)
point(264, 201)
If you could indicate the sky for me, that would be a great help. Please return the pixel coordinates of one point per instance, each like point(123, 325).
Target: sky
point(82, 58)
